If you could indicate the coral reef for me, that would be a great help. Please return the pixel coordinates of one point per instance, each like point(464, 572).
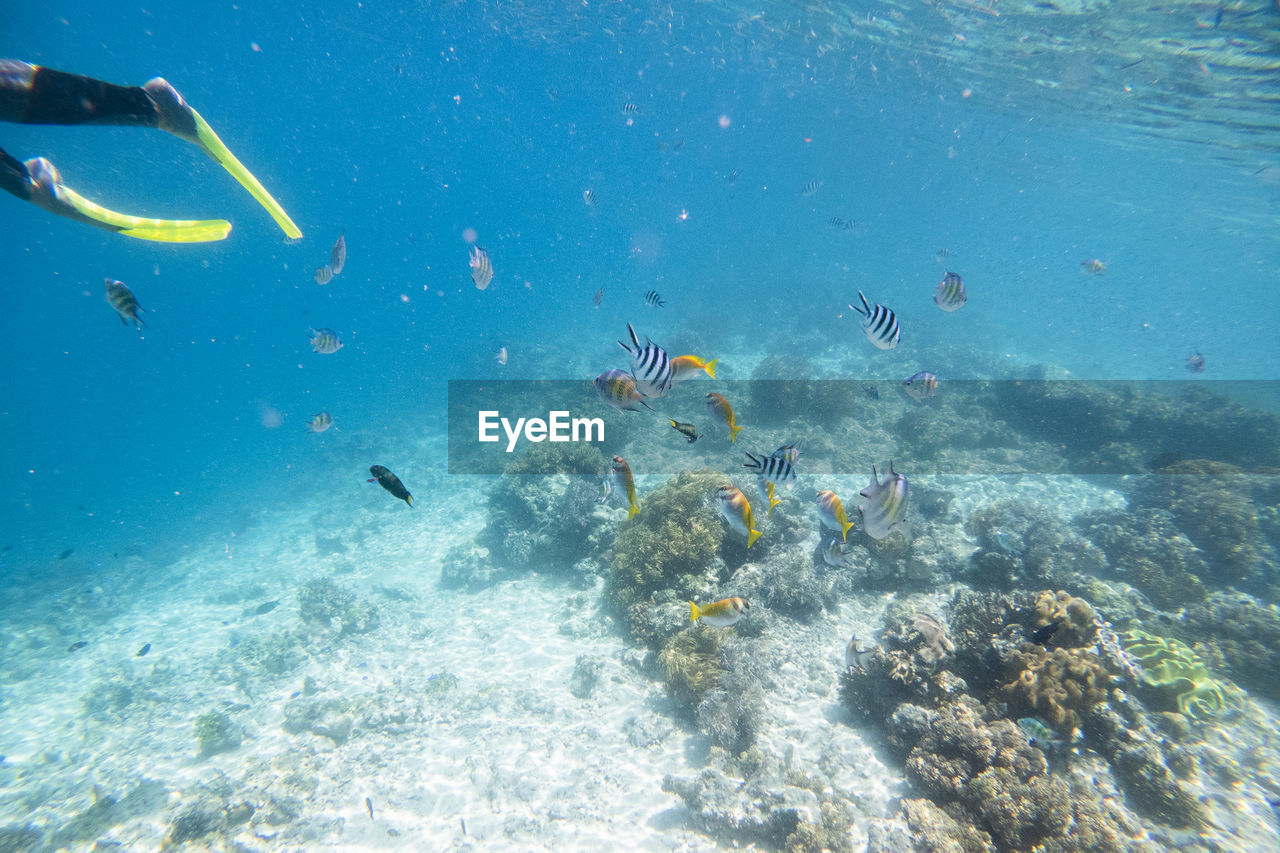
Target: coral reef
point(690, 663)
point(1175, 671)
point(545, 519)
point(787, 582)
point(215, 732)
point(1212, 503)
point(1058, 685)
point(1146, 547)
point(1020, 544)
point(586, 675)
point(324, 604)
point(671, 544)
point(1244, 636)
point(775, 399)
point(1074, 618)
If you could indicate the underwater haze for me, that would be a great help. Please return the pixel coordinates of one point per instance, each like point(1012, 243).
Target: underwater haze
point(1052, 622)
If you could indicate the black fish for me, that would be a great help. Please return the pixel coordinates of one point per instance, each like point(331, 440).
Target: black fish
point(689, 431)
point(66, 553)
point(1042, 634)
point(654, 299)
point(390, 482)
point(77, 646)
point(121, 298)
point(266, 607)
point(142, 652)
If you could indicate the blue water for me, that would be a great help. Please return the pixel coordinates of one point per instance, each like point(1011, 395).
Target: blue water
point(405, 127)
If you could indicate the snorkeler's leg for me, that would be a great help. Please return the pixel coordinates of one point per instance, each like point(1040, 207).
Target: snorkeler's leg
point(38, 181)
point(32, 94)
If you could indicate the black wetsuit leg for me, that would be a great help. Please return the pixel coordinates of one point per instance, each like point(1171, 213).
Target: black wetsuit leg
point(31, 94)
point(14, 177)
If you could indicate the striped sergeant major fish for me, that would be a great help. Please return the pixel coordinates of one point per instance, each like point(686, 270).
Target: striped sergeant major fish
point(481, 267)
point(121, 298)
point(810, 188)
point(650, 365)
point(950, 294)
point(775, 469)
point(630, 109)
point(885, 507)
point(879, 323)
point(618, 389)
point(654, 299)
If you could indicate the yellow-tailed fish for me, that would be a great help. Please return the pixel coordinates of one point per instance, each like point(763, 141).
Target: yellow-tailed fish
point(721, 614)
point(766, 489)
point(627, 485)
point(618, 389)
point(685, 366)
point(723, 412)
point(831, 511)
point(383, 477)
point(736, 510)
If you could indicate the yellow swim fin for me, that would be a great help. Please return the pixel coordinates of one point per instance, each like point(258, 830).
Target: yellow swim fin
point(49, 192)
point(212, 145)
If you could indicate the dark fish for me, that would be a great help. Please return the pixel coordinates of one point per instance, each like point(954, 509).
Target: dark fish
point(689, 431)
point(1041, 635)
point(368, 804)
point(630, 109)
point(338, 254)
point(654, 299)
point(266, 607)
point(841, 223)
point(871, 392)
point(879, 323)
point(650, 365)
point(77, 646)
point(66, 553)
point(390, 482)
point(1195, 362)
point(598, 298)
point(856, 658)
point(121, 298)
point(810, 188)
point(950, 294)
point(142, 652)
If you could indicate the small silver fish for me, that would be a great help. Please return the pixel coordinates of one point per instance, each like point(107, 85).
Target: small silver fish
point(834, 553)
point(501, 356)
point(589, 197)
point(950, 294)
point(121, 298)
point(325, 341)
point(856, 658)
point(921, 386)
point(810, 188)
point(338, 254)
point(324, 274)
point(319, 422)
point(885, 507)
point(481, 268)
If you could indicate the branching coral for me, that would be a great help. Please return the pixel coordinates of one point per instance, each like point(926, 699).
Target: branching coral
point(1175, 669)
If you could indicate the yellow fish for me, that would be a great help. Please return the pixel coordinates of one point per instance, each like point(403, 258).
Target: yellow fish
point(627, 483)
point(721, 409)
point(831, 511)
point(736, 510)
point(766, 491)
point(721, 614)
point(684, 366)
